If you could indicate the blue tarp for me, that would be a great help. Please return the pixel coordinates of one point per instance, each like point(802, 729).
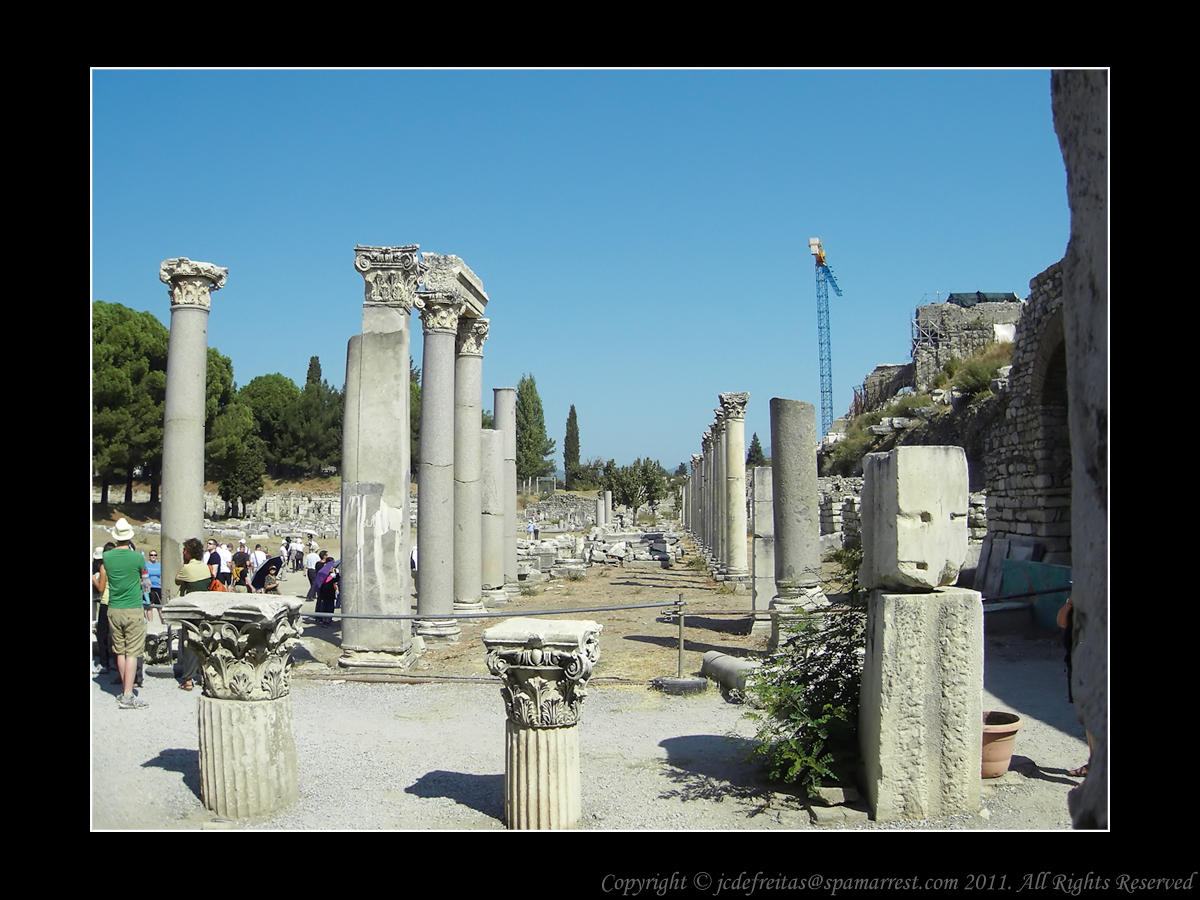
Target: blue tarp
point(1021, 576)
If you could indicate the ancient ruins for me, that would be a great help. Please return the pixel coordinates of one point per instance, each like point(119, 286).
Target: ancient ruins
point(924, 531)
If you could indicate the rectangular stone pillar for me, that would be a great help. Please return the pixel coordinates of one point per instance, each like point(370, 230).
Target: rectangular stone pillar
point(492, 505)
point(921, 708)
point(504, 410)
point(762, 561)
point(375, 533)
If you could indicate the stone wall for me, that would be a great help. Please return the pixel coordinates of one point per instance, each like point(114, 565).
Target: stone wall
point(1027, 455)
point(884, 383)
point(840, 506)
point(945, 331)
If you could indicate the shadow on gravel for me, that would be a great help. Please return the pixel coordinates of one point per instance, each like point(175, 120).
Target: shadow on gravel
point(726, 624)
point(482, 793)
point(714, 767)
point(672, 641)
point(185, 762)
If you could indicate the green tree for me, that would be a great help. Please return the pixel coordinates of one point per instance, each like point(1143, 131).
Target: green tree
point(312, 438)
point(755, 456)
point(236, 455)
point(643, 482)
point(571, 450)
point(273, 400)
point(314, 371)
point(129, 378)
point(533, 446)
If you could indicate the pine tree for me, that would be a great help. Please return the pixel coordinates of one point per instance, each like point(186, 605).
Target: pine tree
point(571, 450)
point(755, 456)
point(314, 371)
point(532, 444)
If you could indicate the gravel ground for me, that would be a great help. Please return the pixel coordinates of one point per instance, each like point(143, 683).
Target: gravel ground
point(390, 756)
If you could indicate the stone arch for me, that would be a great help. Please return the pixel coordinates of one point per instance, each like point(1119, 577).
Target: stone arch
point(1052, 447)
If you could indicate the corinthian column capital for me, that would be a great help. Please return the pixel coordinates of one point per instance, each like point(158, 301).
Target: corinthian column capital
point(245, 645)
point(191, 283)
point(390, 273)
point(471, 335)
point(545, 666)
point(733, 404)
point(439, 312)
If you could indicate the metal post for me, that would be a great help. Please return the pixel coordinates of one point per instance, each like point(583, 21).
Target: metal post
point(679, 612)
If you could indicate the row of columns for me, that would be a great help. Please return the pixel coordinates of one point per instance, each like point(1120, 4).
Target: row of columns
point(466, 479)
point(715, 493)
point(467, 515)
point(716, 503)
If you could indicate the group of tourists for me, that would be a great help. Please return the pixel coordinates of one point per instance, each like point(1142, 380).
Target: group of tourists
point(127, 595)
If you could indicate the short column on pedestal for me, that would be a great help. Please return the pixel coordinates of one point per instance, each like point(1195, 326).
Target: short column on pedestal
point(544, 665)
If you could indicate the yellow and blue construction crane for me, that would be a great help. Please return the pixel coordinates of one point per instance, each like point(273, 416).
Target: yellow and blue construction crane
point(825, 279)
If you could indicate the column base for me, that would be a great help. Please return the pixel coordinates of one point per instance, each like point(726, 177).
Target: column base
point(382, 659)
point(469, 606)
point(495, 597)
point(442, 631)
point(791, 607)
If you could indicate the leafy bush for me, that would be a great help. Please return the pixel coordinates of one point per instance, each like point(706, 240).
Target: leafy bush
point(849, 561)
point(808, 730)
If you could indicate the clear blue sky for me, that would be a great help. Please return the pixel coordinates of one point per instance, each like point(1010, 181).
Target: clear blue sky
point(642, 235)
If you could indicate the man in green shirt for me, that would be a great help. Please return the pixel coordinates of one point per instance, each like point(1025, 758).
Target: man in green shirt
point(121, 571)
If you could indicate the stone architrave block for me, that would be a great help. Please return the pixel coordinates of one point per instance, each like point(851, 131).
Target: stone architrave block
point(914, 518)
point(920, 719)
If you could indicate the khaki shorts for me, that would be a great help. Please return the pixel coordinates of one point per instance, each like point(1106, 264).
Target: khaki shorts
point(128, 628)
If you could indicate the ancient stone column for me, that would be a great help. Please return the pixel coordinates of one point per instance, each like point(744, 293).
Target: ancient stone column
point(468, 501)
point(762, 560)
point(706, 515)
point(189, 285)
point(921, 699)
point(545, 665)
point(797, 511)
point(720, 531)
point(608, 508)
point(600, 510)
point(435, 472)
point(376, 536)
point(504, 410)
point(244, 715)
point(734, 406)
point(492, 506)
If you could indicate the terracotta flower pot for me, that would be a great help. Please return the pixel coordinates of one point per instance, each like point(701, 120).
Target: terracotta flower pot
point(999, 736)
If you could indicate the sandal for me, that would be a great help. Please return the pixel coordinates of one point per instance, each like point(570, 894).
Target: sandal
point(1081, 772)
point(187, 685)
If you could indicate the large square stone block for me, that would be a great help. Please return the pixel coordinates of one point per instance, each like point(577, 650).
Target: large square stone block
point(914, 518)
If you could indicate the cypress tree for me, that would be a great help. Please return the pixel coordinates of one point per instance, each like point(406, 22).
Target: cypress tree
point(532, 444)
point(571, 449)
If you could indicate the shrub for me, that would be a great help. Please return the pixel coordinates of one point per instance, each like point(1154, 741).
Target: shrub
point(976, 372)
point(808, 730)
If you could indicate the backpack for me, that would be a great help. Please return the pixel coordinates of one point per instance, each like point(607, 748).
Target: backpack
point(215, 585)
